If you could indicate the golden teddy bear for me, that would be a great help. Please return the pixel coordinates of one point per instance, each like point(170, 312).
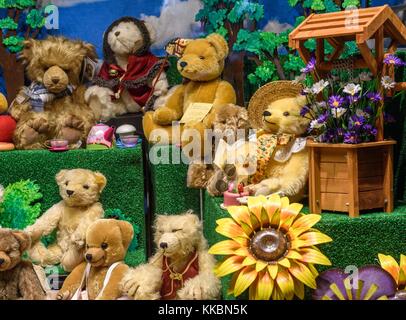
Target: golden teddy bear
point(182, 269)
point(201, 65)
point(53, 106)
point(283, 160)
point(80, 190)
point(99, 277)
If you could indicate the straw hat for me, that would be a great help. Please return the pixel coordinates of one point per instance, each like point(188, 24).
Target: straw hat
point(267, 94)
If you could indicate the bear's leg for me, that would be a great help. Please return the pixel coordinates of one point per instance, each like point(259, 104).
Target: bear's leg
point(71, 127)
point(32, 133)
point(45, 256)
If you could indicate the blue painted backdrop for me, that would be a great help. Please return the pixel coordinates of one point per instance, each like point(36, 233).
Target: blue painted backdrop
point(87, 19)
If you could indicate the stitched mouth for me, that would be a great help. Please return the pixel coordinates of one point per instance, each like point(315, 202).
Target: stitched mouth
point(98, 262)
point(272, 123)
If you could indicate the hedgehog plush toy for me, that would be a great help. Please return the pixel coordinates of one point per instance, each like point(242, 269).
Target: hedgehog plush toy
point(131, 77)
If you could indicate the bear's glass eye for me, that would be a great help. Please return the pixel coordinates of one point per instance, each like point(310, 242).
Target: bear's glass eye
point(86, 187)
point(176, 230)
point(201, 57)
point(286, 114)
point(87, 246)
point(66, 183)
point(104, 246)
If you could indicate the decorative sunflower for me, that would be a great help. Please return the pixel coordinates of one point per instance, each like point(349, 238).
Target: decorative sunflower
point(397, 271)
point(271, 250)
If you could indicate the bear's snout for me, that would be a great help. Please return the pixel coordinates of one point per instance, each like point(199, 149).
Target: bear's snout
point(2, 261)
point(95, 256)
point(183, 64)
point(163, 245)
point(70, 193)
point(5, 261)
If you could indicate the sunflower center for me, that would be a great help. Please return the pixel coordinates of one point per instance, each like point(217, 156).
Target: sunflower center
point(269, 245)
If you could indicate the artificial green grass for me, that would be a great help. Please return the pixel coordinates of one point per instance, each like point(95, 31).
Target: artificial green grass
point(122, 168)
point(169, 184)
point(356, 242)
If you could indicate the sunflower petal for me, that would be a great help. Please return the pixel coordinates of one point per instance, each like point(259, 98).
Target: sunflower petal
point(239, 214)
point(284, 203)
point(230, 265)
point(264, 287)
point(273, 270)
point(249, 261)
point(292, 254)
point(303, 274)
point(261, 265)
point(314, 238)
point(231, 286)
point(226, 247)
point(272, 205)
point(284, 263)
point(286, 284)
point(252, 291)
point(242, 252)
point(314, 256)
point(402, 273)
point(255, 205)
point(230, 229)
point(299, 289)
point(304, 223)
point(389, 264)
point(246, 277)
point(293, 210)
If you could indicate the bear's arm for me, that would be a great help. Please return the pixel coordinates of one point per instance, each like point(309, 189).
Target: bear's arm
point(46, 224)
point(18, 110)
point(113, 289)
point(173, 110)
point(72, 283)
point(28, 283)
point(94, 213)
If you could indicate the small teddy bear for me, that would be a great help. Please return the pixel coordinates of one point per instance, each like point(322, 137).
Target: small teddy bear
point(131, 77)
point(182, 269)
point(107, 242)
point(283, 161)
point(53, 106)
point(80, 190)
point(18, 280)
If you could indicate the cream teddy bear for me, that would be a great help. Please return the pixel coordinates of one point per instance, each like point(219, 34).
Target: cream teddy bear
point(80, 190)
point(131, 77)
point(182, 268)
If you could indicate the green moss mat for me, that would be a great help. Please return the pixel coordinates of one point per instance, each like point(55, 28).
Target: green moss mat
point(169, 183)
point(122, 167)
point(355, 241)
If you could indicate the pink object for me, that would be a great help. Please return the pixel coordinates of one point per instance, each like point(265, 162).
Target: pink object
point(230, 198)
point(57, 145)
point(101, 134)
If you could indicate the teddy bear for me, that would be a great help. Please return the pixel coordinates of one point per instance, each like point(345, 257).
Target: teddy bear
point(80, 190)
point(100, 276)
point(53, 106)
point(182, 269)
point(18, 280)
point(282, 156)
point(3, 103)
point(131, 77)
point(201, 65)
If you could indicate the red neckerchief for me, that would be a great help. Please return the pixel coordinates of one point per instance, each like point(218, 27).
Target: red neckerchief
point(141, 70)
point(173, 281)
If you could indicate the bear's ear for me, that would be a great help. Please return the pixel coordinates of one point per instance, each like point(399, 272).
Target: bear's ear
point(100, 180)
point(23, 239)
point(90, 51)
point(220, 44)
point(192, 219)
point(151, 31)
point(60, 176)
point(28, 50)
point(127, 232)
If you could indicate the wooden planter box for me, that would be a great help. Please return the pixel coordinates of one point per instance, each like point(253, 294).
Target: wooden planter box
point(351, 178)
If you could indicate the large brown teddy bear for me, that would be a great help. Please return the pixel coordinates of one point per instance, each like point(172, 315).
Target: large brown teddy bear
point(18, 280)
point(201, 65)
point(182, 268)
point(53, 106)
point(80, 191)
point(99, 278)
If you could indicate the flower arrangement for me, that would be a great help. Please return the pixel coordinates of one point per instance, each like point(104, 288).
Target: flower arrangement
point(345, 112)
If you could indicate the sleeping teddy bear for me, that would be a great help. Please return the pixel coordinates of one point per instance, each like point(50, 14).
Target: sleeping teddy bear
point(131, 77)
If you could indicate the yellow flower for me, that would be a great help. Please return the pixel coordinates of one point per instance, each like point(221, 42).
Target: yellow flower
point(398, 272)
point(272, 249)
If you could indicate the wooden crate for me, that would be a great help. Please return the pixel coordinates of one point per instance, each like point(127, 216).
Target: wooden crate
point(351, 178)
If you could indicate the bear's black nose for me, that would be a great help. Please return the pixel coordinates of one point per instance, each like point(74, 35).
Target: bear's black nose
point(267, 114)
point(55, 80)
point(89, 257)
point(183, 64)
point(70, 192)
point(2, 261)
point(117, 33)
point(163, 245)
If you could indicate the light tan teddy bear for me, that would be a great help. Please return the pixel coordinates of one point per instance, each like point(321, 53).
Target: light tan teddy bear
point(80, 190)
point(182, 269)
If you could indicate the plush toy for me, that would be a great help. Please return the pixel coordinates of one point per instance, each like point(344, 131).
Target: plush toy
point(3, 103)
point(7, 126)
point(282, 155)
point(131, 77)
point(53, 106)
point(181, 269)
point(99, 278)
point(80, 191)
point(201, 65)
point(18, 280)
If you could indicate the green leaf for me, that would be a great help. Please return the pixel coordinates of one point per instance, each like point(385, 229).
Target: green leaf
point(35, 19)
point(8, 23)
point(318, 5)
point(331, 6)
point(351, 3)
point(293, 3)
point(13, 41)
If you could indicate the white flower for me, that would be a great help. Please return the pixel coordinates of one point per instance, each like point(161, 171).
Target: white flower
point(361, 113)
point(365, 76)
point(307, 90)
point(320, 86)
point(315, 124)
point(352, 89)
point(338, 112)
point(388, 83)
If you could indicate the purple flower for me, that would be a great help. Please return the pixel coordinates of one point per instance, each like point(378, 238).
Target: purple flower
point(336, 101)
point(373, 283)
point(356, 122)
point(370, 130)
point(322, 118)
point(310, 66)
point(304, 111)
point(351, 137)
point(374, 97)
point(353, 99)
point(391, 59)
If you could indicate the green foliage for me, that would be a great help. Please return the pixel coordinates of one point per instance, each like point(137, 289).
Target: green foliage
point(14, 43)
point(351, 3)
point(118, 214)
point(8, 23)
point(17, 4)
point(35, 19)
point(19, 208)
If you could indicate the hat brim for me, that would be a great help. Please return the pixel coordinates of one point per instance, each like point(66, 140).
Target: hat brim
point(268, 94)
